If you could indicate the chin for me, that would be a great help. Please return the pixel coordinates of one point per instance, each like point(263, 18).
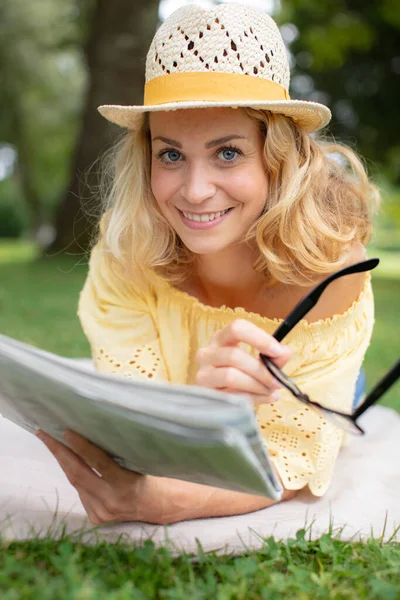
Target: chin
point(204, 247)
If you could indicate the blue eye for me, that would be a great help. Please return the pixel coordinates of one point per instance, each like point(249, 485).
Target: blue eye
point(171, 156)
point(228, 154)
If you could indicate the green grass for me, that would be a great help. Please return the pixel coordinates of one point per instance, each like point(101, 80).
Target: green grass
point(385, 345)
point(38, 300)
point(15, 251)
point(389, 267)
point(38, 305)
point(298, 569)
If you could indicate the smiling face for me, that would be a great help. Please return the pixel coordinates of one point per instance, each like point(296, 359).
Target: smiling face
point(208, 175)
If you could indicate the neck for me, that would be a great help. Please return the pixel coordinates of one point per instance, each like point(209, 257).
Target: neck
point(228, 278)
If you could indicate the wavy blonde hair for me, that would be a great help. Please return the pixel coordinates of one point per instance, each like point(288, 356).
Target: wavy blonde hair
point(319, 201)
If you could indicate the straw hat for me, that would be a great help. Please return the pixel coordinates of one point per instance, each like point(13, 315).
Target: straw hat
point(232, 55)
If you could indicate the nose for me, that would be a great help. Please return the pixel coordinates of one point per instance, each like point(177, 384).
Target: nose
point(197, 185)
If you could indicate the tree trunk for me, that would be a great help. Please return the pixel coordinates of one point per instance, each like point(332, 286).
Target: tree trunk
point(119, 38)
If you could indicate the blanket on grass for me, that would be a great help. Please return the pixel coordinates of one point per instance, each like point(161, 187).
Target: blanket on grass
point(363, 501)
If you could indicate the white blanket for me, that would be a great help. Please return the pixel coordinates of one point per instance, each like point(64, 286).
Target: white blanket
point(364, 499)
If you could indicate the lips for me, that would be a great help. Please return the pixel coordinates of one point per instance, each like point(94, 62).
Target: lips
point(204, 217)
point(206, 224)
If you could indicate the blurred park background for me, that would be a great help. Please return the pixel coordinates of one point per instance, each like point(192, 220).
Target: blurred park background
point(60, 59)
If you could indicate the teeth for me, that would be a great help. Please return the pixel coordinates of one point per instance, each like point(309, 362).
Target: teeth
point(206, 217)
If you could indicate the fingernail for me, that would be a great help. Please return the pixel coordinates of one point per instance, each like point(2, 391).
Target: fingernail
point(275, 385)
point(276, 395)
point(41, 435)
point(276, 349)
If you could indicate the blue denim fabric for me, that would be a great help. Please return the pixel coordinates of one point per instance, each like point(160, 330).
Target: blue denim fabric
point(360, 388)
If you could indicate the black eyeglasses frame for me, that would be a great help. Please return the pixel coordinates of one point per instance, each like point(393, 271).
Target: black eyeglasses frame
point(344, 420)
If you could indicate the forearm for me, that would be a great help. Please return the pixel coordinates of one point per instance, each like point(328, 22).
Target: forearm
point(182, 500)
point(121, 495)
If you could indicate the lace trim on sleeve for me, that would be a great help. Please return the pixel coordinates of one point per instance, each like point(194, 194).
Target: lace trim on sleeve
point(142, 361)
point(302, 445)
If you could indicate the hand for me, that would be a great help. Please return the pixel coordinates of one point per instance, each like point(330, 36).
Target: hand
point(109, 493)
point(224, 365)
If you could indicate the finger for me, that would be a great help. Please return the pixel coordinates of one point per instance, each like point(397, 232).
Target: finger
point(242, 331)
point(94, 456)
point(234, 379)
point(280, 361)
point(241, 360)
point(78, 473)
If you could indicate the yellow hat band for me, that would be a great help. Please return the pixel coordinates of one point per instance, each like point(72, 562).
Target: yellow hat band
point(211, 87)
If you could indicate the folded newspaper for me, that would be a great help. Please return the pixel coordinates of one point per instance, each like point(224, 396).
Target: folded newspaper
point(163, 429)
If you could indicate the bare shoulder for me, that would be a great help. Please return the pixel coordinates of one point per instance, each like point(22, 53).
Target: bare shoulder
point(341, 294)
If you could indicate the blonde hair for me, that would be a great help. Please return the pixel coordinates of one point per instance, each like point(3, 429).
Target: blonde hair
point(320, 200)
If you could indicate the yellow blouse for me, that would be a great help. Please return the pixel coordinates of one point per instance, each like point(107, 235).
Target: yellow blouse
point(157, 334)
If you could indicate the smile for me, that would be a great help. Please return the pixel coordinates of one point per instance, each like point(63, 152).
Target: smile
point(204, 217)
point(203, 220)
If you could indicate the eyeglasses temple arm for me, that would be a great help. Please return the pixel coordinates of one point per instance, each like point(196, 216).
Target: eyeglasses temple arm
point(380, 388)
point(307, 303)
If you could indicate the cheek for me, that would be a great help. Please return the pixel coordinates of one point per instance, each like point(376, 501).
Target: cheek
point(164, 184)
point(156, 182)
point(251, 186)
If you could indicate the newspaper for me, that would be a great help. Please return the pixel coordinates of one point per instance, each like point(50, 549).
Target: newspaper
point(162, 429)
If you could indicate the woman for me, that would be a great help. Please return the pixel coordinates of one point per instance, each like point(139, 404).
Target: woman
point(222, 213)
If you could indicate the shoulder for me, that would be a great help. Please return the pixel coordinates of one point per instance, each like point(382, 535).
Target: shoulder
point(342, 293)
point(111, 283)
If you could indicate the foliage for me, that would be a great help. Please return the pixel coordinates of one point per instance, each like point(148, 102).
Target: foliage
point(43, 81)
point(348, 52)
point(346, 56)
point(13, 220)
point(388, 224)
point(296, 569)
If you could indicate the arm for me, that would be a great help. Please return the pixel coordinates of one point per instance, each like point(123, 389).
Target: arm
point(327, 357)
point(118, 323)
point(121, 495)
point(183, 500)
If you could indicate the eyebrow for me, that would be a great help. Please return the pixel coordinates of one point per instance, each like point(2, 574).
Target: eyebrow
point(211, 144)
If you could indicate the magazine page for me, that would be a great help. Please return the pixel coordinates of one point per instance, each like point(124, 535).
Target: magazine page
point(168, 430)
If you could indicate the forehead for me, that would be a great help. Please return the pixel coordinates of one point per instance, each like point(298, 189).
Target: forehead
point(202, 122)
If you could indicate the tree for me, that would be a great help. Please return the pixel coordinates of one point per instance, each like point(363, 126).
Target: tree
point(115, 52)
point(41, 82)
point(349, 51)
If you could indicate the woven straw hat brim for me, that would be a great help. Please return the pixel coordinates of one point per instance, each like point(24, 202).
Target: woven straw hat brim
point(311, 116)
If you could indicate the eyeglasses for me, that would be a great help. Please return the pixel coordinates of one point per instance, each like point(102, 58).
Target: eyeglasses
point(344, 420)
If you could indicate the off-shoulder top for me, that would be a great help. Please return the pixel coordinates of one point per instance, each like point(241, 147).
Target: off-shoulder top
point(156, 335)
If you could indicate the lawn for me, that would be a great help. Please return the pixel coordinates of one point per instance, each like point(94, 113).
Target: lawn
point(38, 305)
point(295, 570)
point(38, 300)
